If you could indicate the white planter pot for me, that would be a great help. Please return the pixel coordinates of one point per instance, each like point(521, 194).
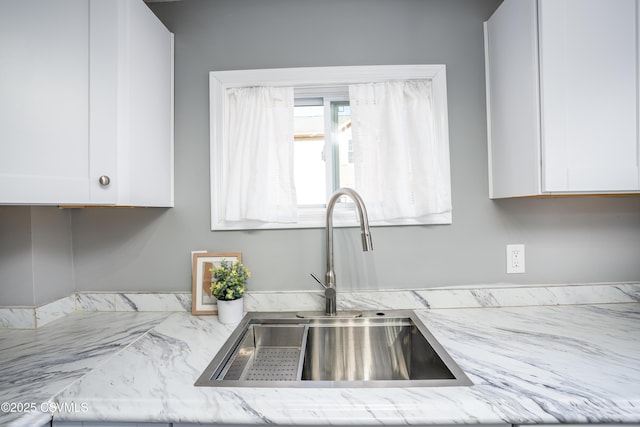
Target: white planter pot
point(230, 311)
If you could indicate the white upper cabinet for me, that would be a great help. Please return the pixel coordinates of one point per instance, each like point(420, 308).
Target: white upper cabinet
point(44, 99)
point(562, 97)
point(86, 93)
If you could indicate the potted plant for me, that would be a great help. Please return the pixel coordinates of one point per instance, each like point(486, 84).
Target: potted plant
point(228, 283)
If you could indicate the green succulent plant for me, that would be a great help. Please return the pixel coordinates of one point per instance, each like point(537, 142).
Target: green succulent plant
point(228, 280)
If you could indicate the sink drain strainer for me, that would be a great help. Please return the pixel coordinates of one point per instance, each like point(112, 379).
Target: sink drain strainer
point(274, 364)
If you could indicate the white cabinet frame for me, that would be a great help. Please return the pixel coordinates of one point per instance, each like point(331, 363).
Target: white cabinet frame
point(562, 97)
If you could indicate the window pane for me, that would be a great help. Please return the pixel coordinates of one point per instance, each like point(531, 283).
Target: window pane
point(343, 147)
point(310, 170)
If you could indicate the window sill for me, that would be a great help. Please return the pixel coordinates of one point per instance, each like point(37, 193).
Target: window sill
point(315, 217)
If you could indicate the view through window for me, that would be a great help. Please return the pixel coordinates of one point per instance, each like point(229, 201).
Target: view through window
point(323, 147)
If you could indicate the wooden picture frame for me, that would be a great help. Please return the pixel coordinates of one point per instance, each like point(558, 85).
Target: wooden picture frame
point(202, 300)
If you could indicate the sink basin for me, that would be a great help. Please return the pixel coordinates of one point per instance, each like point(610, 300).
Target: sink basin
point(377, 349)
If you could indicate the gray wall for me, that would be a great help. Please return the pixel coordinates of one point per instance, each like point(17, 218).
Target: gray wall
point(36, 263)
point(567, 240)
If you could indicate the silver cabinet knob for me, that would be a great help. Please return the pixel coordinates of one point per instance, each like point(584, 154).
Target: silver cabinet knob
point(104, 180)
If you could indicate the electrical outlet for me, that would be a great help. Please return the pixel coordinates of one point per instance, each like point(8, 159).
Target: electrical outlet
point(515, 259)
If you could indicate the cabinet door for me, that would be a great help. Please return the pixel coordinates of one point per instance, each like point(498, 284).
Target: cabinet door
point(589, 90)
point(44, 147)
point(511, 49)
point(86, 91)
point(131, 104)
point(149, 108)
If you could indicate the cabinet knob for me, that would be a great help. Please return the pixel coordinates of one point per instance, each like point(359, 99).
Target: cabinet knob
point(104, 180)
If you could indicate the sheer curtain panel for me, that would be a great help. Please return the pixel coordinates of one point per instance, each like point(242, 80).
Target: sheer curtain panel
point(258, 175)
point(402, 167)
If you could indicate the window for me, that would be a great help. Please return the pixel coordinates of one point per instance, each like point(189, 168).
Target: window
point(293, 136)
point(309, 151)
point(322, 146)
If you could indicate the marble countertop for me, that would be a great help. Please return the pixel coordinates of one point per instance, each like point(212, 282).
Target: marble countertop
point(535, 364)
point(38, 364)
point(568, 364)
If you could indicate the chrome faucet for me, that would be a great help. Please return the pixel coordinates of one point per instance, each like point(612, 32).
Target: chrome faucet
point(367, 245)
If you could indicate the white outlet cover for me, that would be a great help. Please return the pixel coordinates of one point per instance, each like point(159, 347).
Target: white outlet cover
point(515, 259)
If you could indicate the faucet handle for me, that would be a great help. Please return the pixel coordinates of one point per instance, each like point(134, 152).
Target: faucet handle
point(318, 280)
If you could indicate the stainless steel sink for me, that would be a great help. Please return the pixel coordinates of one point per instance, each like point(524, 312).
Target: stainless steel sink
point(377, 349)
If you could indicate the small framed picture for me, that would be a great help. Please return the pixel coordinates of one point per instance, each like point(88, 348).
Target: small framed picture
point(203, 302)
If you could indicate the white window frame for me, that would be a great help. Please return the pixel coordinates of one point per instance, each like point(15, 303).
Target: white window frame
point(311, 217)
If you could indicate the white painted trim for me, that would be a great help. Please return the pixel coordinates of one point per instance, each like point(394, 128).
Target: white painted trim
point(320, 76)
point(172, 126)
point(487, 80)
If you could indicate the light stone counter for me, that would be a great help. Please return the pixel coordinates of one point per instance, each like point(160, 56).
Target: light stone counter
point(37, 364)
point(529, 364)
point(571, 364)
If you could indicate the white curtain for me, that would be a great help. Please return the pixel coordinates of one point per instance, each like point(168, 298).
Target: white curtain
point(259, 175)
point(402, 169)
